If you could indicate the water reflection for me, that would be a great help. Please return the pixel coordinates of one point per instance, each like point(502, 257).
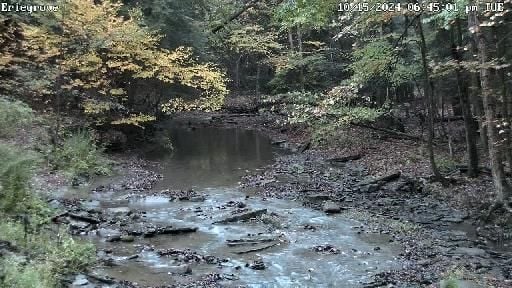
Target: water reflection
point(210, 157)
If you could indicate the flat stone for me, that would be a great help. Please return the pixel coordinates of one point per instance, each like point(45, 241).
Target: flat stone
point(180, 270)
point(105, 233)
point(119, 210)
point(318, 198)
point(197, 199)
point(469, 251)
point(78, 224)
point(452, 219)
point(331, 207)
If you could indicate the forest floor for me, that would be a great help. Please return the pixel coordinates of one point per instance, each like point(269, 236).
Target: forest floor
point(384, 184)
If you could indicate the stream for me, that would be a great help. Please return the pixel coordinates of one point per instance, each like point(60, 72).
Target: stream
point(211, 162)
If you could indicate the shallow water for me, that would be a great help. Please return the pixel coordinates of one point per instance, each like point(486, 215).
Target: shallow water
point(211, 161)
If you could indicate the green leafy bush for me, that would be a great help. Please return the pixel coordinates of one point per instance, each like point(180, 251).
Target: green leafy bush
point(16, 168)
point(51, 255)
point(13, 115)
point(18, 274)
point(80, 156)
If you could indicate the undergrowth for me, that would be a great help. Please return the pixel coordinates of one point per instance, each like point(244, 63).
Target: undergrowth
point(33, 253)
point(80, 156)
point(14, 115)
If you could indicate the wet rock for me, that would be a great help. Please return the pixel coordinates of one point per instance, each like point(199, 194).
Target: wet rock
point(180, 270)
point(469, 251)
point(197, 199)
point(257, 265)
point(310, 227)
point(242, 216)
point(318, 198)
point(119, 211)
point(426, 219)
point(78, 224)
point(80, 280)
point(453, 219)
point(127, 238)
point(106, 233)
point(55, 204)
point(189, 256)
point(326, 249)
point(331, 207)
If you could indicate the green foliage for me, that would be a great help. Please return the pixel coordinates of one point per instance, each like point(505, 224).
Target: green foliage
point(372, 61)
point(14, 115)
point(18, 274)
point(52, 255)
point(80, 156)
point(253, 40)
point(16, 170)
point(305, 13)
point(315, 68)
point(324, 113)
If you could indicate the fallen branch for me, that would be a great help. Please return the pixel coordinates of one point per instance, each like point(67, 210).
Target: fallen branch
point(84, 218)
point(256, 249)
point(389, 131)
point(380, 181)
point(251, 4)
point(344, 159)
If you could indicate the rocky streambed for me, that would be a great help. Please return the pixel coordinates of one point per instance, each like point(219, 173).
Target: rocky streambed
point(229, 209)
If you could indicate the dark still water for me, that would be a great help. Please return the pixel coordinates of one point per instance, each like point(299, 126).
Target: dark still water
point(209, 157)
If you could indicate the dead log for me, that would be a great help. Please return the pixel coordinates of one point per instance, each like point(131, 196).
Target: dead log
point(450, 118)
point(389, 131)
point(84, 218)
point(305, 147)
point(376, 183)
point(344, 159)
point(174, 231)
point(102, 279)
point(242, 217)
point(60, 215)
point(256, 249)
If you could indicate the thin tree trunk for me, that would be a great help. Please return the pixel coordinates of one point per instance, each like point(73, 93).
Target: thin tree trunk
point(470, 132)
point(237, 72)
point(299, 44)
point(490, 102)
point(290, 40)
point(258, 71)
point(430, 103)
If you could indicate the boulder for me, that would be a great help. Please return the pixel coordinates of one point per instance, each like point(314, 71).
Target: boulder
point(331, 207)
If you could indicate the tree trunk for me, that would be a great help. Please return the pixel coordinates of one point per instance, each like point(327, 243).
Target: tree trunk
point(507, 113)
point(299, 44)
point(490, 102)
point(470, 131)
point(429, 103)
point(475, 98)
point(290, 40)
point(237, 72)
point(258, 72)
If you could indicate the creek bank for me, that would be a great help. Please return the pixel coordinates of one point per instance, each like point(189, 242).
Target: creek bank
point(437, 237)
point(398, 208)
